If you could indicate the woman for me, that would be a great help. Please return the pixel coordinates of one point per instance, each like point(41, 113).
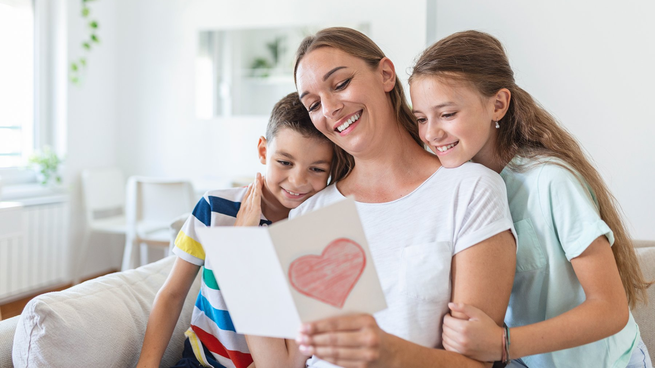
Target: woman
point(436, 235)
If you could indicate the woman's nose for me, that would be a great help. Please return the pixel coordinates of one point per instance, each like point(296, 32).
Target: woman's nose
point(331, 106)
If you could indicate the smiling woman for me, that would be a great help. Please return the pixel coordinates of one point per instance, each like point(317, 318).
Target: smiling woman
point(426, 225)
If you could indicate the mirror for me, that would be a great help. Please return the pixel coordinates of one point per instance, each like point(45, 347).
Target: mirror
point(244, 72)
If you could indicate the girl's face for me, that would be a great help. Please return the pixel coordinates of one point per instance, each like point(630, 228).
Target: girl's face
point(455, 121)
point(346, 98)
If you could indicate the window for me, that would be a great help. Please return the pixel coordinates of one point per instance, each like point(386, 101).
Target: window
point(16, 82)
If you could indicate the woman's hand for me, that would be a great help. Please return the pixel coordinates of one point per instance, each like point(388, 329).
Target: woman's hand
point(347, 341)
point(251, 205)
point(477, 335)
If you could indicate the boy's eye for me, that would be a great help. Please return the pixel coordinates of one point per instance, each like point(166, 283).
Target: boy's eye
point(284, 163)
point(343, 84)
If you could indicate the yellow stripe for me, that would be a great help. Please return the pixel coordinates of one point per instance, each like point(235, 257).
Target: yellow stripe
point(189, 245)
point(196, 345)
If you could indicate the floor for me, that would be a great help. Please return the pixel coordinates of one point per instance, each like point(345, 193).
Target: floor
point(15, 308)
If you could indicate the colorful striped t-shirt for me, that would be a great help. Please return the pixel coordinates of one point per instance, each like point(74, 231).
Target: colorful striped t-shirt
point(211, 324)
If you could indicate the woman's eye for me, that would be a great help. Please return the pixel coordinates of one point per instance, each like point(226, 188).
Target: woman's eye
point(343, 84)
point(313, 107)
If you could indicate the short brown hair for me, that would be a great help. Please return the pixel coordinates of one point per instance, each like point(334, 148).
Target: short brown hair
point(290, 113)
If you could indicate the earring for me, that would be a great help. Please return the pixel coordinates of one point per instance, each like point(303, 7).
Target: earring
point(497, 125)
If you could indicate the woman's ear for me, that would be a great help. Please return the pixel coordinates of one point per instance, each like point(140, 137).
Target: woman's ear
point(501, 103)
point(388, 74)
point(261, 150)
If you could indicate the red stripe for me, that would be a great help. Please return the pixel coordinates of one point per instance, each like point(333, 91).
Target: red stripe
point(240, 360)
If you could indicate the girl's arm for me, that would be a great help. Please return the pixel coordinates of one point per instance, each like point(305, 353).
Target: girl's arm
point(603, 313)
point(482, 275)
point(165, 312)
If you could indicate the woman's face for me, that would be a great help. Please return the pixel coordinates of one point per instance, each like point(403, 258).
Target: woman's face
point(456, 122)
point(346, 99)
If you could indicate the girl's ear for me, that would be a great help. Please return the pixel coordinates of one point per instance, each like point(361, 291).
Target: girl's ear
point(261, 150)
point(388, 74)
point(501, 103)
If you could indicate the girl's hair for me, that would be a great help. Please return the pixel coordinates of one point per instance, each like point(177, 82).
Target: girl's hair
point(528, 130)
point(359, 45)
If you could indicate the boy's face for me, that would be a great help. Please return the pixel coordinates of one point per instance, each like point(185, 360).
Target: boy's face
point(296, 167)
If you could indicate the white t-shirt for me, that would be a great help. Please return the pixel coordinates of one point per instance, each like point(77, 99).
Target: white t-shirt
point(414, 238)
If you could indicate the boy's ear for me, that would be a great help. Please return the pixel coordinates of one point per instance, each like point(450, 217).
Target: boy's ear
point(261, 150)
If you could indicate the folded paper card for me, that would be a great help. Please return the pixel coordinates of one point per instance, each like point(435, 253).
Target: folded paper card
point(308, 268)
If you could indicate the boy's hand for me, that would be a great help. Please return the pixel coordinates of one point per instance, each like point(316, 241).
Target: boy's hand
point(251, 205)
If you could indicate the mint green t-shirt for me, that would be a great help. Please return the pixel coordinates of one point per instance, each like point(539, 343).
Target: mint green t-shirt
point(556, 219)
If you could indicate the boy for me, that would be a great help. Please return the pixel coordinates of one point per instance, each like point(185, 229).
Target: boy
point(298, 161)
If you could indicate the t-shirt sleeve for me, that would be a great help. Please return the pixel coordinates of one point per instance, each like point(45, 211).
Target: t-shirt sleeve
point(482, 210)
point(187, 244)
point(569, 207)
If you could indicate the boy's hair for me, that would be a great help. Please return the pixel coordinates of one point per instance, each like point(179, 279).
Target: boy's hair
point(290, 113)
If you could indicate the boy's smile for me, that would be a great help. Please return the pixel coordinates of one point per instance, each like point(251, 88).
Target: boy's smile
point(297, 167)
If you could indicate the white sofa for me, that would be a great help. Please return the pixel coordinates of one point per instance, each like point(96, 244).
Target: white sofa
point(100, 323)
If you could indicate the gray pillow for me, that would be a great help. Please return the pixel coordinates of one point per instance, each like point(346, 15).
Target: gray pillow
point(99, 323)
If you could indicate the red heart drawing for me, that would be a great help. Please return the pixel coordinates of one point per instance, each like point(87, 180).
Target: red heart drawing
point(331, 276)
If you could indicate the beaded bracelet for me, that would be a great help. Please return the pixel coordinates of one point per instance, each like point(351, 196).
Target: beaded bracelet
point(506, 343)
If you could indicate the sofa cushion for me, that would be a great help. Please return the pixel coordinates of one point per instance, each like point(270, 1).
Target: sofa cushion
point(7, 329)
point(99, 323)
point(645, 314)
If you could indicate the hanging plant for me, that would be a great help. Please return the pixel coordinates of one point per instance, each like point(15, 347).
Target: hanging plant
point(92, 39)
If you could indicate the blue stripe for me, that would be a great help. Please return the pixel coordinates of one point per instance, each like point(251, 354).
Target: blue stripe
point(220, 317)
point(224, 206)
point(265, 222)
point(203, 212)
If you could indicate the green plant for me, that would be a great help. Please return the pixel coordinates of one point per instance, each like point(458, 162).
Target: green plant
point(92, 27)
point(46, 162)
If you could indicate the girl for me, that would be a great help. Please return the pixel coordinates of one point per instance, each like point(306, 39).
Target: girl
point(576, 270)
point(436, 234)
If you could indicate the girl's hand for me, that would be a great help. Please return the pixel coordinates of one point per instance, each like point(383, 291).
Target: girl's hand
point(251, 205)
point(347, 341)
point(477, 336)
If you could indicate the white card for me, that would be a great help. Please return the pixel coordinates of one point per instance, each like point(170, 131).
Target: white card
point(311, 267)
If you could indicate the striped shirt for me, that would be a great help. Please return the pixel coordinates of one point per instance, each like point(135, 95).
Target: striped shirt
point(211, 324)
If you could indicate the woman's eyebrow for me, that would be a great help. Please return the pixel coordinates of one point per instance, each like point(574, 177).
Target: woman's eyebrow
point(325, 77)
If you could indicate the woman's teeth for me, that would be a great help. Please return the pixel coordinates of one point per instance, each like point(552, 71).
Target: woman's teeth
point(345, 125)
point(446, 148)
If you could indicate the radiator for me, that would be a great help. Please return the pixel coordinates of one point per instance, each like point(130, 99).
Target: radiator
point(34, 247)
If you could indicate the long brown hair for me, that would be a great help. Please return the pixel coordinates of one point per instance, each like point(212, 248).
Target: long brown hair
point(528, 130)
point(359, 45)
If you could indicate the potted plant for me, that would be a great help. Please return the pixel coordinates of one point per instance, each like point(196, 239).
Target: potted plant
point(46, 163)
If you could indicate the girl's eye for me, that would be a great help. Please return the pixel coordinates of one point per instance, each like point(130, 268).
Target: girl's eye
point(449, 115)
point(318, 170)
point(343, 84)
point(421, 120)
point(284, 163)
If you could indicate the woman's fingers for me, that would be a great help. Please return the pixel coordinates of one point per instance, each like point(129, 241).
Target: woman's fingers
point(342, 323)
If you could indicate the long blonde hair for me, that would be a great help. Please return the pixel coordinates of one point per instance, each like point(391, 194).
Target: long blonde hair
point(528, 130)
point(359, 45)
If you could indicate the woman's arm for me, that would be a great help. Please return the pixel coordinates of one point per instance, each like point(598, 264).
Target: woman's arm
point(165, 312)
point(482, 276)
point(602, 314)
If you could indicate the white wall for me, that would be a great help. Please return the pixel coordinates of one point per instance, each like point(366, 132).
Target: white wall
point(590, 63)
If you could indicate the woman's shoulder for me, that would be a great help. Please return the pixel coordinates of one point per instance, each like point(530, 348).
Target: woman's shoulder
point(328, 195)
point(471, 173)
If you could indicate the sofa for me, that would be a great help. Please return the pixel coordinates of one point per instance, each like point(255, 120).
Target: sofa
point(101, 322)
